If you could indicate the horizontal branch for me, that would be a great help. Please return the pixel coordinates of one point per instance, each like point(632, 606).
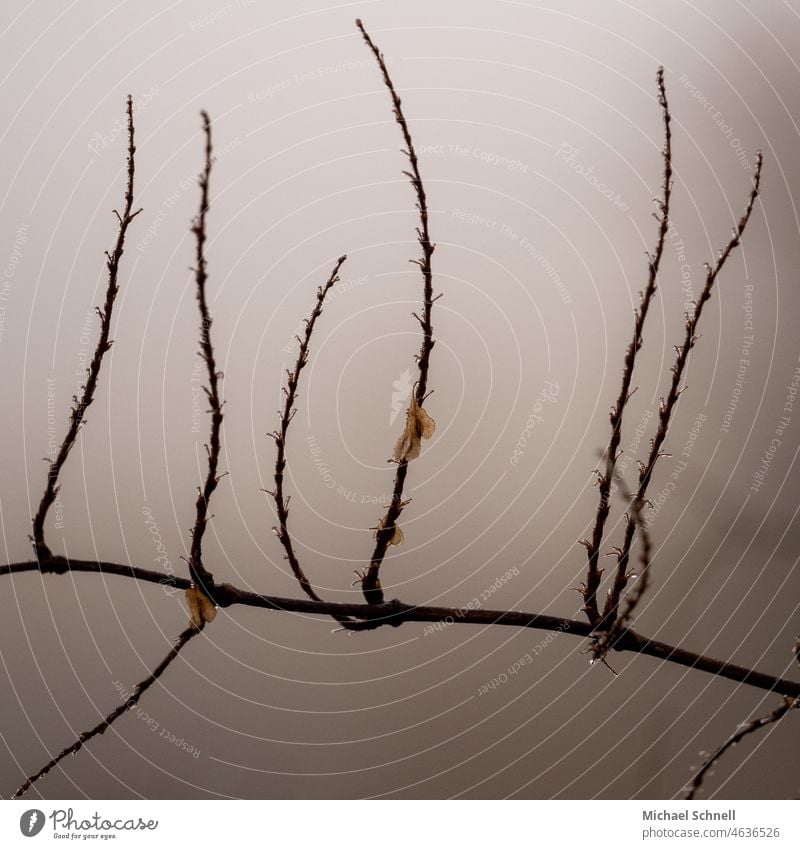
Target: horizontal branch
point(395, 613)
point(61, 565)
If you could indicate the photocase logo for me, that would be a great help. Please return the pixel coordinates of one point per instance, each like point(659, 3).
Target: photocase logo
point(401, 390)
point(31, 822)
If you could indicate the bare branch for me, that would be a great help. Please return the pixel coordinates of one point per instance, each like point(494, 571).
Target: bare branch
point(118, 711)
point(200, 575)
point(608, 630)
point(78, 412)
point(668, 405)
point(605, 639)
point(287, 414)
point(741, 732)
point(370, 581)
point(605, 478)
point(396, 613)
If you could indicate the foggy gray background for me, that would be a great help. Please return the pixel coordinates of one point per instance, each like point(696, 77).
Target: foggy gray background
point(308, 168)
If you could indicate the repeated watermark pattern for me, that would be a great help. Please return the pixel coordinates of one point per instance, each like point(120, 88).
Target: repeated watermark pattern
point(161, 551)
point(680, 466)
point(744, 360)
point(330, 482)
point(489, 157)
point(569, 154)
point(188, 183)
point(783, 422)
point(219, 13)
point(155, 726)
point(523, 242)
point(302, 78)
point(629, 455)
point(101, 140)
point(85, 350)
point(196, 390)
point(548, 395)
point(53, 443)
point(9, 272)
point(518, 665)
point(719, 119)
point(687, 287)
point(475, 604)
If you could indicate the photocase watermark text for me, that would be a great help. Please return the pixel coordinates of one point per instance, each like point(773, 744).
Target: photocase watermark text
point(161, 551)
point(549, 394)
point(569, 154)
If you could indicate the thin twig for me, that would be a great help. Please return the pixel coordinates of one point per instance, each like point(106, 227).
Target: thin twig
point(78, 412)
point(667, 406)
point(396, 613)
point(604, 479)
point(286, 416)
point(127, 705)
point(741, 732)
point(605, 639)
point(370, 581)
point(200, 575)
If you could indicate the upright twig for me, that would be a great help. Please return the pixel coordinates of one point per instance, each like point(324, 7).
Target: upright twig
point(741, 732)
point(200, 575)
point(279, 435)
point(604, 479)
point(79, 406)
point(370, 580)
point(605, 640)
point(667, 405)
point(118, 711)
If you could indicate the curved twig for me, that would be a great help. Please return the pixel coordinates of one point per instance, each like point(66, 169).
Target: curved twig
point(286, 416)
point(667, 406)
point(741, 732)
point(605, 639)
point(200, 575)
point(78, 412)
point(370, 580)
point(604, 479)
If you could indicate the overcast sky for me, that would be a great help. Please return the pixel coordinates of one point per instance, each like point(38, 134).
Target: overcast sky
point(539, 137)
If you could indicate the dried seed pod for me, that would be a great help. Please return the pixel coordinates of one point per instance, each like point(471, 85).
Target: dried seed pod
point(201, 607)
point(419, 425)
point(397, 536)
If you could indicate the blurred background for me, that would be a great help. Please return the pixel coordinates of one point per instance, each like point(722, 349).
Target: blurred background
point(539, 136)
